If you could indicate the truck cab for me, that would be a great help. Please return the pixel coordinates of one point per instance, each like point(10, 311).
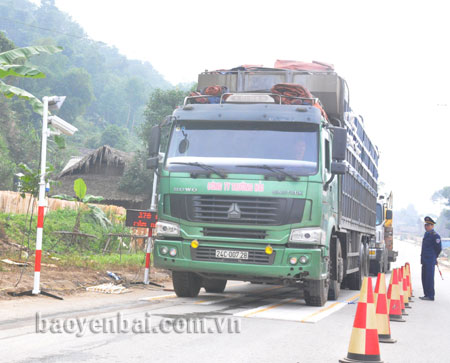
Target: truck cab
point(381, 251)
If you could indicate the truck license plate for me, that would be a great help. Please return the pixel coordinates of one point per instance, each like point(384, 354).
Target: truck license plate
point(236, 255)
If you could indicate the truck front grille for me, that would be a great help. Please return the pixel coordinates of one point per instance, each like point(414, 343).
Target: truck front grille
point(234, 233)
point(243, 210)
point(256, 257)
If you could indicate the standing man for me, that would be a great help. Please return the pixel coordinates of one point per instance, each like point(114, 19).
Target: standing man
point(431, 248)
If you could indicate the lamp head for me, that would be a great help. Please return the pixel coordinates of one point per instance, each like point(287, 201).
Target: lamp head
point(61, 125)
point(55, 102)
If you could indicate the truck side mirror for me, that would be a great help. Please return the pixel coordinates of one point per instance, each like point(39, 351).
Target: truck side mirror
point(152, 163)
point(338, 168)
point(154, 141)
point(388, 214)
point(339, 143)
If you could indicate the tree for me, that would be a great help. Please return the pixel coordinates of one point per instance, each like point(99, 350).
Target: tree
point(10, 65)
point(137, 179)
point(135, 97)
point(161, 104)
point(443, 196)
point(115, 136)
point(5, 43)
point(76, 85)
point(6, 166)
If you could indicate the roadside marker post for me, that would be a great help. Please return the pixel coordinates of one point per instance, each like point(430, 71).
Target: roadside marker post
point(147, 257)
point(53, 103)
point(146, 219)
point(41, 202)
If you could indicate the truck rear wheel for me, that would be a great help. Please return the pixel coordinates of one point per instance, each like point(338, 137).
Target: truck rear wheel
point(214, 285)
point(376, 267)
point(336, 269)
point(316, 292)
point(186, 284)
point(354, 280)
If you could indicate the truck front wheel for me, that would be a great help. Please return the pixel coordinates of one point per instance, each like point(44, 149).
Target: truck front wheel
point(316, 292)
point(186, 284)
point(214, 285)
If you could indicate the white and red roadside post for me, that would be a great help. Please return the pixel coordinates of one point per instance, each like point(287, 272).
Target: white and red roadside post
point(153, 209)
point(147, 257)
point(53, 103)
point(42, 203)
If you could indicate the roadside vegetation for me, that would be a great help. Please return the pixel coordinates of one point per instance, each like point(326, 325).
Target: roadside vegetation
point(61, 249)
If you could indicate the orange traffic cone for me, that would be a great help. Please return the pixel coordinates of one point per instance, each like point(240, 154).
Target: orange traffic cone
point(405, 289)
point(377, 289)
point(408, 270)
point(393, 295)
point(382, 315)
point(400, 286)
point(364, 345)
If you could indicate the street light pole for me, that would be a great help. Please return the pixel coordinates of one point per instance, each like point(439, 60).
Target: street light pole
point(53, 103)
point(41, 202)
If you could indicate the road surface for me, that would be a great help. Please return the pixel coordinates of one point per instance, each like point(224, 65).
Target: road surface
point(248, 323)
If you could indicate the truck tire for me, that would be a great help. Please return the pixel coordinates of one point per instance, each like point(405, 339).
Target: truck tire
point(354, 280)
point(387, 266)
point(336, 269)
point(376, 267)
point(316, 292)
point(365, 259)
point(214, 285)
point(186, 284)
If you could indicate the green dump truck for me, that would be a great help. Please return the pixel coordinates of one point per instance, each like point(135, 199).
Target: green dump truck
point(266, 188)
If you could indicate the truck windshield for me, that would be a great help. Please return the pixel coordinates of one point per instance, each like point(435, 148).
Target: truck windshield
point(243, 147)
point(379, 214)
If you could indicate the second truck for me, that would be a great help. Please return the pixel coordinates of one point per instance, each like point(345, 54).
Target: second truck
point(381, 248)
point(266, 187)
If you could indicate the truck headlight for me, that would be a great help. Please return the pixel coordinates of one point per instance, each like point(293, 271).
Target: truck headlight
point(307, 235)
point(170, 229)
point(303, 260)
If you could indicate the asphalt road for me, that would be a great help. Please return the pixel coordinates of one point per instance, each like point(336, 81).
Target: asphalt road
point(248, 323)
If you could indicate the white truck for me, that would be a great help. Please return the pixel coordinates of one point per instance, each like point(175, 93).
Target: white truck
point(381, 248)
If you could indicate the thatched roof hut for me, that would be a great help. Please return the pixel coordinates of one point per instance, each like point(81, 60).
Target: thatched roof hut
point(101, 170)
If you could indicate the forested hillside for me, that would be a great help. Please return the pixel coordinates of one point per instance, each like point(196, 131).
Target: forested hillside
point(106, 92)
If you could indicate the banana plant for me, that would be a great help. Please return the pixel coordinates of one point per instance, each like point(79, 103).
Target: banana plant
point(10, 65)
point(80, 189)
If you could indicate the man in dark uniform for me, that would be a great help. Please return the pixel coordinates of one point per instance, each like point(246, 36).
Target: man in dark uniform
point(431, 248)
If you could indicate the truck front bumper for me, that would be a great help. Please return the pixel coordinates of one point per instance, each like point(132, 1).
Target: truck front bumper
point(275, 266)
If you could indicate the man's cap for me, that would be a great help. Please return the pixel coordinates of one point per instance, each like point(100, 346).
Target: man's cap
point(428, 220)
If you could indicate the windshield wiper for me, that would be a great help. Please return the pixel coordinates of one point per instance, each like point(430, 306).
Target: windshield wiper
point(277, 170)
point(203, 166)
